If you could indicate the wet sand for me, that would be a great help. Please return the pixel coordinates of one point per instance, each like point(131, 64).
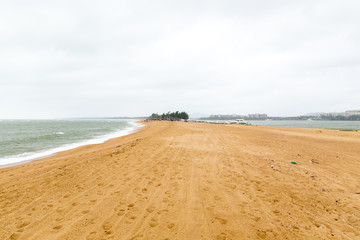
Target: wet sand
point(190, 181)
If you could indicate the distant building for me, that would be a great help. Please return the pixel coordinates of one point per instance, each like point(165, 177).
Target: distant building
point(258, 116)
point(333, 114)
point(352, 112)
point(341, 115)
point(226, 116)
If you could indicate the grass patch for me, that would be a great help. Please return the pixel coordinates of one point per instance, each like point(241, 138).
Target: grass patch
point(344, 129)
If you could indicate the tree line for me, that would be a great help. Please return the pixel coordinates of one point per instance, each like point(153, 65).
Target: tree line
point(170, 116)
point(341, 118)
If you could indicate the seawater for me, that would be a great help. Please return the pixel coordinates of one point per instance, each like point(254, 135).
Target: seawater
point(309, 124)
point(25, 140)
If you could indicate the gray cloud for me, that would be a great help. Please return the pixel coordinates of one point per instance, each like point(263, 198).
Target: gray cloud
point(96, 58)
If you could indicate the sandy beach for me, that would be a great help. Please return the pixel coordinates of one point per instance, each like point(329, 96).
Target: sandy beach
point(173, 180)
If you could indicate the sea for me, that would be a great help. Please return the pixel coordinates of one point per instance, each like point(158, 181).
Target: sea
point(24, 140)
point(307, 124)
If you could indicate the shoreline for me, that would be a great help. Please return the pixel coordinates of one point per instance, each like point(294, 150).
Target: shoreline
point(20, 160)
point(190, 181)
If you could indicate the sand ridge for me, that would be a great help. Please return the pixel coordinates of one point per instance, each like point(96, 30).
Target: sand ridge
point(190, 181)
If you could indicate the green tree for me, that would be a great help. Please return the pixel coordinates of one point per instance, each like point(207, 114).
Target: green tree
point(173, 115)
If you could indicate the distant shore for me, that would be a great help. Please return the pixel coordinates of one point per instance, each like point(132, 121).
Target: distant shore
point(181, 180)
point(300, 123)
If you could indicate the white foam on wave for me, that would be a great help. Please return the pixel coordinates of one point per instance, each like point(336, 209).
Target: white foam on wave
point(27, 157)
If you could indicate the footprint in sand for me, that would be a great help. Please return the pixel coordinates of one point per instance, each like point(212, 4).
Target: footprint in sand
point(277, 212)
point(162, 211)
point(150, 209)
point(153, 222)
point(130, 220)
point(171, 225)
point(14, 236)
point(93, 220)
point(57, 227)
point(121, 212)
point(23, 224)
point(59, 210)
point(221, 236)
point(221, 220)
point(137, 237)
point(261, 234)
point(91, 236)
point(106, 225)
point(217, 198)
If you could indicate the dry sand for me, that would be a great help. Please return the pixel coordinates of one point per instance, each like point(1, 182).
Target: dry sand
point(190, 181)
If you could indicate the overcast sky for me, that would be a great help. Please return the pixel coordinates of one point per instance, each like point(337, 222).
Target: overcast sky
point(131, 58)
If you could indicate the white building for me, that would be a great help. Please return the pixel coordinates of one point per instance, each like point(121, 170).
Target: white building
point(352, 112)
point(333, 114)
point(258, 115)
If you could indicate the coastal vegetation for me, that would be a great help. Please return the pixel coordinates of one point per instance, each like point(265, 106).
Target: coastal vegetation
point(296, 118)
point(170, 116)
point(345, 129)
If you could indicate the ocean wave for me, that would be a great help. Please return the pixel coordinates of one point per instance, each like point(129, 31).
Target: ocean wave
point(43, 137)
point(29, 156)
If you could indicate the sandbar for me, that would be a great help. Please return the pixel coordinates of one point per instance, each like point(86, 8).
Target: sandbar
point(175, 180)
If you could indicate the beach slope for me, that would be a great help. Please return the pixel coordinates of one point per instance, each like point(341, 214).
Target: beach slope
point(190, 181)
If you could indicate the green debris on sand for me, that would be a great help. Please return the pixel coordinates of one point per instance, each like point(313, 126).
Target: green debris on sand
point(344, 129)
point(294, 162)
